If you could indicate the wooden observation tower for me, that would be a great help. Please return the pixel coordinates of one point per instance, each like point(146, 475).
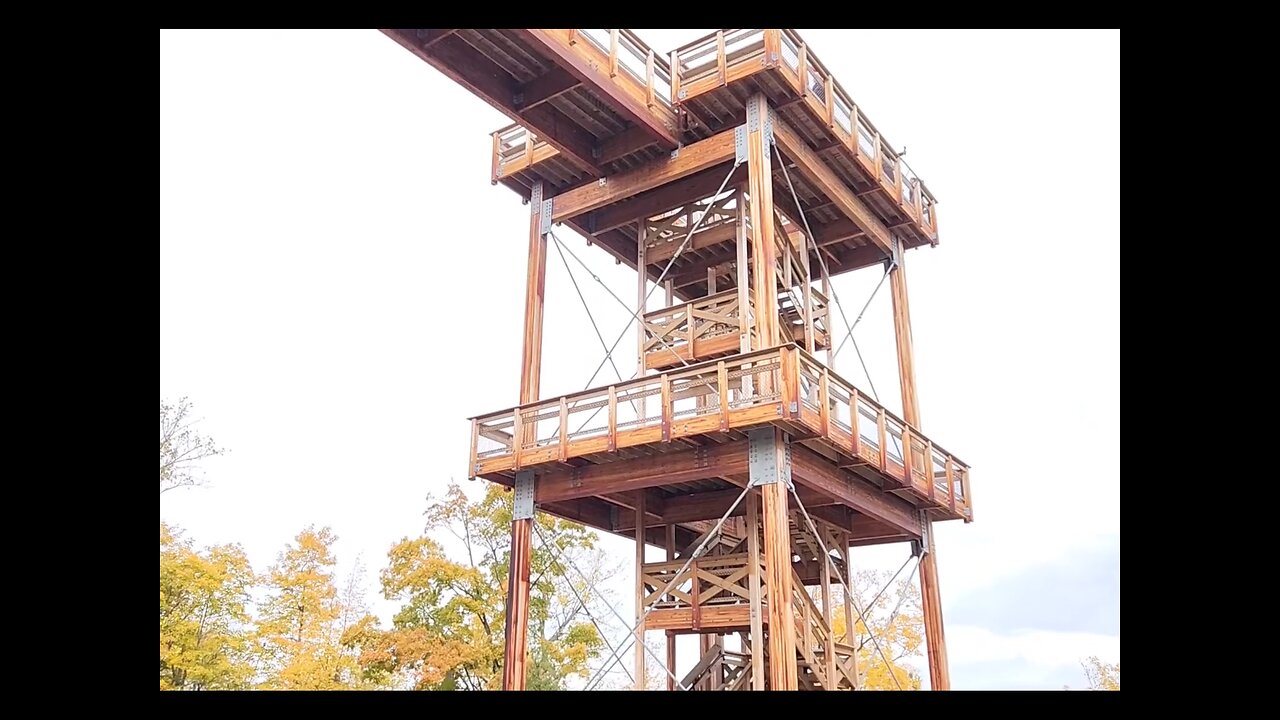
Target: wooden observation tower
point(737, 177)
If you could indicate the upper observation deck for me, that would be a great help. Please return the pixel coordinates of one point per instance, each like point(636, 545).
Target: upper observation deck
point(600, 107)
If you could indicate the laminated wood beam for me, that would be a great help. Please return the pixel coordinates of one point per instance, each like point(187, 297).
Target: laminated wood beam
point(555, 46)
point(554, 83)
point(653, 202)
point(487, 80)
point(646, 472)
point(816, 171)
point(712, 505)
point(690, 159)
point(816, 472)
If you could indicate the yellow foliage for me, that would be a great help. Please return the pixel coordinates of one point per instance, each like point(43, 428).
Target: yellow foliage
point(1101, 676)
point(900, 636)
point(203, 611)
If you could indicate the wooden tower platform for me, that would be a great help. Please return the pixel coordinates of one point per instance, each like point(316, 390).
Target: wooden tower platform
point(739, 175)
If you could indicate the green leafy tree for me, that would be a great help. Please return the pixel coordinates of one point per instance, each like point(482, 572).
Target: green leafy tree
point(303, 619)
point(181, 447)
point(449, 631)
point(204, 599)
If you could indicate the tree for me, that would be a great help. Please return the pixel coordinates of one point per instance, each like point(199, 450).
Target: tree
point(896, 620)
point(181, 447)
point(1100, 675)
point(204, 598)
point(303, 619)
point(449, 632)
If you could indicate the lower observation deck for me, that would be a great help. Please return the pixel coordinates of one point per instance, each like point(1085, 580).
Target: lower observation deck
point(684, 431)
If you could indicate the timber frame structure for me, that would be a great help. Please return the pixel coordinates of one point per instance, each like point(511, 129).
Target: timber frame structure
point(737, 175)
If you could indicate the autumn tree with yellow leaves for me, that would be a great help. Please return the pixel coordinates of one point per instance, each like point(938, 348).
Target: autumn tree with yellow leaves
point(449, 631)
point(204, 615)
point(897, 621)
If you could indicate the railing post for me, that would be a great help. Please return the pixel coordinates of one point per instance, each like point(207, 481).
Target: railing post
point(613, 53)
point(722, 383)
point(856, 445)
point(720, 57)
point(563, 431)
point(928, 469)
point(853, 125)
point(494, 164)
point(675, 78)
point(968, 497)
point(517, 435)
point(689, 331)
point(897, 168)
point(907, 479)
point(528, 145)
point(802, 70)
point(772, 47)
point(824, 399)
point(475, 442)
point(666, 407)
point(884, 442)
point(951, 484)
point(648, 79)
point(613, 418)
point(830, 103)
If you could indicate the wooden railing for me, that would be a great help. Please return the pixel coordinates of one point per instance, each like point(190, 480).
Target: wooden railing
point(727, 55)
point(515, 149)
point(697, 330)
point(708, 581)
point(779, 384)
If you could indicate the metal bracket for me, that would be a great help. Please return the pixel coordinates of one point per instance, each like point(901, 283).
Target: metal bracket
point(536, 195)
point(523, 508)
point(675, 153)
point(682, 94)
point(753, 117)
point(602, 181)
point(544, 218)
point(768, 127)
point(739, 145)
point(896, 255)
point(920, 547)
point(761, 463)
point(517, 99)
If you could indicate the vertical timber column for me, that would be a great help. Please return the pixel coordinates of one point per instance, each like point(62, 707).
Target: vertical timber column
point(671, 636)
point(930, 594)
point(517, 627)
point(764, 251)
point(755, 590)
point(640, 673)
point(642, 296)
point(741, 269)
point(770, 470)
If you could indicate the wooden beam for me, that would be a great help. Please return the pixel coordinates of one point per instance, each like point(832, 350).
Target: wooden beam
point(812, 470)
point(535, 291)
point(644, 472)
point(488, 81)
point(817, 172)
point(701, 155)
point(764, 285)
point(640, 594)
point(712, 505)
point(930, 592)
point(701, 240)
point(551, 44)
point(754, 590)
point(515, 650)
point(777, 567)
point(856, 259)
point(624, 143)
point(682, 192)
point(551, 84)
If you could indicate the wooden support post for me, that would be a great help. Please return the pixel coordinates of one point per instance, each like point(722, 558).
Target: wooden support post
point(640, 593)
point(829, 648)
point(743, 274)
point(770, 469)
point(755, 590)
point(671, 636)
point(850, 621)
point(764, 252)
point(930, 593)
point(517, 628)
point(831, 317)
point(642, 293)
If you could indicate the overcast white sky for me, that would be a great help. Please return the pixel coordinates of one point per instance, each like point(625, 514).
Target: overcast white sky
point(341, 287)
